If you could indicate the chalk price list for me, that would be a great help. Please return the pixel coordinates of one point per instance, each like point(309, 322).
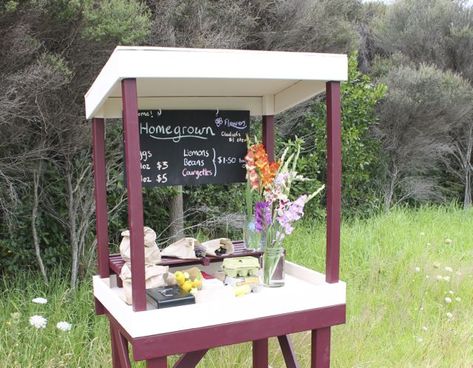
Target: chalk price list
point(146, 164)
point(192, 147)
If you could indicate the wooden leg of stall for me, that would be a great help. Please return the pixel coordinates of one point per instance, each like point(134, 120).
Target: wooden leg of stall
point(288, 351)
point(190, 360)
point(115, 360)
point(260, 353)
point(120, 357)
point(320, 348)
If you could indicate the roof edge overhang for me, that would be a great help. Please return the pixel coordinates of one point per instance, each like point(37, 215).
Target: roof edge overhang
point(305, 73)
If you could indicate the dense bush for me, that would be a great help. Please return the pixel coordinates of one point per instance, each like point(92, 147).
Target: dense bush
point(360, 150)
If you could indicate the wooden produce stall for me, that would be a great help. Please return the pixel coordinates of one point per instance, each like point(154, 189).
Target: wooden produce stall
point(162, 81)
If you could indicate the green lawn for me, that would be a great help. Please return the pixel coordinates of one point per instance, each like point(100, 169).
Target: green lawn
point(397, 313)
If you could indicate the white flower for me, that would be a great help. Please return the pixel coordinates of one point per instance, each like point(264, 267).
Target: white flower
point(38, 321)
point(448, 269)
point(40, 300)
point(458, 299)
point(439, 277)
point(427, 277)
point(419, 339)
point(436, 265)
point(446, 278)
point(429, 244)
point(417, 269)
point(421, 309)
point(424, 328)
point(449, 315)
point(64, 326)
point(448, 241)
point(458, 273)
point(448, 300)
point(422, 233)
point(451, 292)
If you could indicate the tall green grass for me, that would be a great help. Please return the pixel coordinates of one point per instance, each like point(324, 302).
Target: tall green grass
point(397, 316)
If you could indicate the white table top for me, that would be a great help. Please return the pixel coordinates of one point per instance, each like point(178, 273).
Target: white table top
point(216, 304)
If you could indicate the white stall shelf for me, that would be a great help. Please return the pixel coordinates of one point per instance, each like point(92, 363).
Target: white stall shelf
point(216, 304)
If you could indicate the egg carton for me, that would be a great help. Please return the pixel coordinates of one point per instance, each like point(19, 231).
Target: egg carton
point(241, 266)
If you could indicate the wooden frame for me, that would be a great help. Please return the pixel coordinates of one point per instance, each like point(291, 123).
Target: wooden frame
point(195, 343)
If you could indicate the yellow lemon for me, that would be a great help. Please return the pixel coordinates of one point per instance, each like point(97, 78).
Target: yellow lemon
point(187, 286)
point(179, 277)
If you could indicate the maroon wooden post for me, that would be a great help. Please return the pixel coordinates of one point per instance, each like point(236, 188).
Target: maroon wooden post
point(268, 135)
point(190, 360)
point(320, 348)
point(288, 351)
point(135, 200)
point(121, 345)
point(334, 182)
point(100, 193)
point(115, 358)
point(260, 353)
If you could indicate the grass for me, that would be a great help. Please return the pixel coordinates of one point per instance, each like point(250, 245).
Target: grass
point(397, 317)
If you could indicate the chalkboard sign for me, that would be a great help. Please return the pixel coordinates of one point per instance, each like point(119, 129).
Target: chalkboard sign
point(192, 147)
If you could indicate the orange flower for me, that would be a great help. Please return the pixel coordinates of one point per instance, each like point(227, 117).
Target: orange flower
point(261, 172)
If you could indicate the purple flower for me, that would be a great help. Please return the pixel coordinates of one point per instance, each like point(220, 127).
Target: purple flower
point(262, 216)
point(289, 212)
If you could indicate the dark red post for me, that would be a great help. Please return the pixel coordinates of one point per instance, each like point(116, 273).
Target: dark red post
point(268, 135)
point(100, 193)
point(320, 348)
point(334, 181)
point(260, 353)
point(135, 200)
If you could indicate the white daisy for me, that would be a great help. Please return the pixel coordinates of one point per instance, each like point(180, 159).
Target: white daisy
point(38, 321)
point(448, 300)
point(40, 300)
point(451, 292)
point(449, 315)
point(417, 269)
point(446, 278)
point(448, 269)
point(458, 299)
point(424, 328)
point(64, 326)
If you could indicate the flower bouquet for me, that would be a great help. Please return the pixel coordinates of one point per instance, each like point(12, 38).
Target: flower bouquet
point(275, 212)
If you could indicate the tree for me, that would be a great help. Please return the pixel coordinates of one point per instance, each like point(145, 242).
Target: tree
point(421, 108)
point(361, 156)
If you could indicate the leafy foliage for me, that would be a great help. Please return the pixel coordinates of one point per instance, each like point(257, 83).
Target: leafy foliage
point(361, 155)
point(416, 117)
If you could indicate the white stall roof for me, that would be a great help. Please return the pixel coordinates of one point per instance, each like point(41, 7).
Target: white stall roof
point(264, 82)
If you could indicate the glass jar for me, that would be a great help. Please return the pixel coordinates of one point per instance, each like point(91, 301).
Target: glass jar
point(273, 267)
point(251, 237)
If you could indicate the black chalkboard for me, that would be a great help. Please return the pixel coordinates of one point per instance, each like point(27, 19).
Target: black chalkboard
point(192, 147)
